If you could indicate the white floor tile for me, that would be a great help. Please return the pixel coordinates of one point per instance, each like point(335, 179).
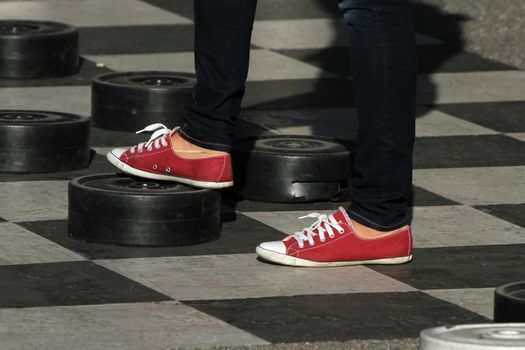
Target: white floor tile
point(20, 246)
point(447, 226)
point(264, 64)
point(90, 13)
point(33, 200)
point(300, 33)
point(475, 186)
point(243, 276)
point(471, 87)
point(67, 99)
point(153, 326)
point(178, 62)
point(431, 122)
point(517, 135)
point(308, 33)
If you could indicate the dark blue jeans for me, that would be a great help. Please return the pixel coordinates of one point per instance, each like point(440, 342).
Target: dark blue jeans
point(383, 65)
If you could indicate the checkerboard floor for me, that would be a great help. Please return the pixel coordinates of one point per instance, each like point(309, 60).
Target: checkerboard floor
point(468, 205)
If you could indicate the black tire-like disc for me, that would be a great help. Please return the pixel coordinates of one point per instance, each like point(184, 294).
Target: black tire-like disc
point(37, 49)
point(288, 168)
point(509, 303)
point(42, 142)
point(129, 101)
point(108, 208)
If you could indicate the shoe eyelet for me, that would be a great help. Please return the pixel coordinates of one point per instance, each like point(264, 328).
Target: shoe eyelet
point(331, 236)
point(342, 231)
point(322, 240)
point(168, 169)
point(311, 244)
point(154, 166)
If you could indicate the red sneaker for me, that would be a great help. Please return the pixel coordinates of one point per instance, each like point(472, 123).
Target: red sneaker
point(157, 160)
point(332, 241)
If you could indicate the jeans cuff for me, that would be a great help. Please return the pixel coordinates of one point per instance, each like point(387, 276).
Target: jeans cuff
point(356, 214)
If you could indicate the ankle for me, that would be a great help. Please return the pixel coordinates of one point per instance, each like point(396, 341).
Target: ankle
point(183, 147)
point(368, 232)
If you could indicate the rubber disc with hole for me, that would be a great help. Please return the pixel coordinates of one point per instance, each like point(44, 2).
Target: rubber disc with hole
point(43, 142)
point(488, 336)
point(129, 101)
point(109, 208)
point(509, 303)
point(36, 49)
point(287, 168)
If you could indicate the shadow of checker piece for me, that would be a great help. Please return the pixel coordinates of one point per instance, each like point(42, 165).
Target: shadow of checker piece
point(43, 142)
point(290, 168)
point(509, 303)
point(128, 101)
point(37, 49)
point(121, 210)
point(490, 336)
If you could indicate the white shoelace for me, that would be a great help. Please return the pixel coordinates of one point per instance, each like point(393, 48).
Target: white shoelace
point(324, 224)
point(158, 138)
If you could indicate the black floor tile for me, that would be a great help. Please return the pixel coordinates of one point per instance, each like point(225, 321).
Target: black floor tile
point(68, 283)
point(110, 138)
point(298, 93)
point(244, 205)
point(431, 59)
point(88, 70)
point(99, 164)
point(331, 59)
point(468, 151)
point(337, 317)
point(514, 213)
point(449, 59)
point(485, 266)
point(422, 198)
point(500, 116)
point(238, 236)
point(136, 39)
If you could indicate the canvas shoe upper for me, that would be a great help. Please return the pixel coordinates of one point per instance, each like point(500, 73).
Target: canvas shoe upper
point(156, 159)
point(332, 241)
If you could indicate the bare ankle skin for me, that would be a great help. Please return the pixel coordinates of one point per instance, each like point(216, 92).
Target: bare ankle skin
point(367, 232)
point(188, 150)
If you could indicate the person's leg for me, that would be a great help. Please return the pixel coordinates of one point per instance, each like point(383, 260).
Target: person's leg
point(373, 230)
point(384, 68)
point(222, 50)
point(197, 152)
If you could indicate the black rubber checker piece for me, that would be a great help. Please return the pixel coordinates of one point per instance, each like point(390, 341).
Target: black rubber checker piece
point(121, 210)
point(43, 142)
point(36, 49)
point(509, 303)
point(288, 168)
point(128, 101)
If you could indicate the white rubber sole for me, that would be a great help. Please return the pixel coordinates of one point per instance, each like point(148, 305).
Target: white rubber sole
point(291, 261)
point(147, 175)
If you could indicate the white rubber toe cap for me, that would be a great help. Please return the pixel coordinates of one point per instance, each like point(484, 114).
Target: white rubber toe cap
point(117, 152)
point(276, 247)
